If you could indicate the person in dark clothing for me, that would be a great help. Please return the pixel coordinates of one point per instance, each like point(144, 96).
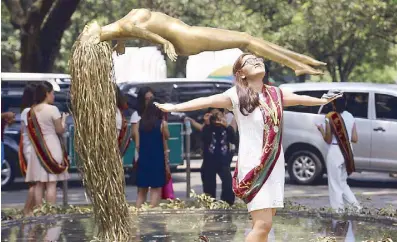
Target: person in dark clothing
point(217, 156)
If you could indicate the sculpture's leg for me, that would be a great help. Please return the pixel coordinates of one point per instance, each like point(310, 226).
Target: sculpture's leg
point(299, 57)
point(95, 138)
point(258, 47)
point(211, 39)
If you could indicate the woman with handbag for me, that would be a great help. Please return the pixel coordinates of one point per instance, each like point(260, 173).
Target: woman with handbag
point(152, 168)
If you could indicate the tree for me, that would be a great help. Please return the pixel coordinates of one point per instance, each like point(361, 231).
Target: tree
point(344, 33)
point(41, 24)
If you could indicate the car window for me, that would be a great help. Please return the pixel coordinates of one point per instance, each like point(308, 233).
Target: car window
point(357, 104)
point(386, 106)
point(306, 109)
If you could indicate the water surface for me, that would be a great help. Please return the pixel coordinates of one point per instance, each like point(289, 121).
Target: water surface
point(221, 226)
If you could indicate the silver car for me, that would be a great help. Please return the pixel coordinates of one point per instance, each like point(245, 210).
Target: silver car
point(374, 107)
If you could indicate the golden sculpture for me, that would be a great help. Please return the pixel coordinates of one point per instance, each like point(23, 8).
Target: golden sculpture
point(178, 38)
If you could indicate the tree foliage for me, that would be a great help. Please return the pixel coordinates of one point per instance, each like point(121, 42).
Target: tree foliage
point(357, 38)
point(344, 33)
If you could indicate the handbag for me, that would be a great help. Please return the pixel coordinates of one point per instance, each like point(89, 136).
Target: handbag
point(167, 191)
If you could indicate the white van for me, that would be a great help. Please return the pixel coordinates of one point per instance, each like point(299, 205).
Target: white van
point(374, 106)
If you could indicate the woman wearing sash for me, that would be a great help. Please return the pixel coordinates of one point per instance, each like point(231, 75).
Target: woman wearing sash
point(259, 175)
point(340, 131)
point(26, 150)
point(45, 125)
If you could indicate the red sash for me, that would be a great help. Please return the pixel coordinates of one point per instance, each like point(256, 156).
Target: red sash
point(125, 135)
point(338, 128)
point(249, 186)
point(23, 165)
point(42, 151)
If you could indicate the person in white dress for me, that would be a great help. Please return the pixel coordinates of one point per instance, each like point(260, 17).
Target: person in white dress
point(338, 189)
point(246, 100)
point(26, 148)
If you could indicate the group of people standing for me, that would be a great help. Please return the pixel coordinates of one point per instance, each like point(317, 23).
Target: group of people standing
point(42, 156)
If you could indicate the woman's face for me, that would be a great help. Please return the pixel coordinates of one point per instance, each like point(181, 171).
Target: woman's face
point(50, 97)
point(148, 97)
point(252, 66)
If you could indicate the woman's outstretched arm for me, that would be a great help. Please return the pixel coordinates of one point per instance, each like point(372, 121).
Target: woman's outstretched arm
point(292, 99)
point(215, 101)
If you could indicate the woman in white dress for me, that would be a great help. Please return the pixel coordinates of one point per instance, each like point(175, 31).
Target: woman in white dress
point(25, 146)
point(340, 165)
point(259, 174)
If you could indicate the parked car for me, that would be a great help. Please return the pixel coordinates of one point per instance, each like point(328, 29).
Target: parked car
point(374, 107)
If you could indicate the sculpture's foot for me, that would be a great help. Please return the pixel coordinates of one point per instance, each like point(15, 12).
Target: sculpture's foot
point(91, 33)
point(318, 63)
point(308, 72)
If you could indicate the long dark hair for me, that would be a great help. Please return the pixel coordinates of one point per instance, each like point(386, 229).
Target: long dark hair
point(41, 91)
point(141, 99)
point(339, 105)
point(28, 96)
point(150, 116)
point(247, 97)
point(121, 100)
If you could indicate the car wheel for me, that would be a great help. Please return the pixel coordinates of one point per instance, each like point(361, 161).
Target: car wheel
point(8, 168)
point(304, 167)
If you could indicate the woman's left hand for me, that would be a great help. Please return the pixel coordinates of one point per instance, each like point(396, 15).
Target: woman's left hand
point(328, 100)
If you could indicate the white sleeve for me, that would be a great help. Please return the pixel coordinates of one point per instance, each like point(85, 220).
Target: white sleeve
point(55, 114)
point(135, 118)
point(119, 119)
point(232, 94)
point(24, 116)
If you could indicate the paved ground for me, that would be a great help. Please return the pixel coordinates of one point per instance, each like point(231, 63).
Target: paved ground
point(375, 190)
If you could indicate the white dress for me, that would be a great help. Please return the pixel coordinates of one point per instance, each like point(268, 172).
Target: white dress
point(338, 189)
point(250, 127)
point(119, 121)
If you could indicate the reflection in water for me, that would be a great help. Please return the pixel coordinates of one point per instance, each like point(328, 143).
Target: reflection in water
point(222, 226)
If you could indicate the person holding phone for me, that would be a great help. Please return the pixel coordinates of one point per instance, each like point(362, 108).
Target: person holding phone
point(217, 136)
point(339, 132)
point(45, 126)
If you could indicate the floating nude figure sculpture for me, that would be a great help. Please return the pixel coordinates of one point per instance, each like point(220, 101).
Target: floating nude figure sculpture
point(178, 38)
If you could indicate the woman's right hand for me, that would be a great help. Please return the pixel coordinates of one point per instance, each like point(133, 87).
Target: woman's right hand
point(166, 107)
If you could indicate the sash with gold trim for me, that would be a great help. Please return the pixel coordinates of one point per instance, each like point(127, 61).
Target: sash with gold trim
point(125, 135)
point(249, 186)
point(338, 128)
point(23, 165)
point(42, 151)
